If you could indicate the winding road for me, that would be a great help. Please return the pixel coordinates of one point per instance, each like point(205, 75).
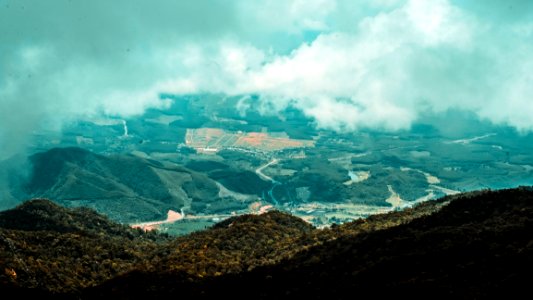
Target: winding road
point(259, 171)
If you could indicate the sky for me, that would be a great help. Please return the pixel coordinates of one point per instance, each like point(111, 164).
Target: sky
point(347, 64)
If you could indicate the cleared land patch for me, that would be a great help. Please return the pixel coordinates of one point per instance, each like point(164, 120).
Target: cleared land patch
point(215, 139)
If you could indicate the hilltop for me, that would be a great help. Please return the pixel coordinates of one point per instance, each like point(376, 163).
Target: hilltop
point(471, 245)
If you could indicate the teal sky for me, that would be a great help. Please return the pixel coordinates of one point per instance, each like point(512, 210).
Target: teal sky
point(347, 64)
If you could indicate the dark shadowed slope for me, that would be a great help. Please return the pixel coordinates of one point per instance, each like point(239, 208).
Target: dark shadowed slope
point(479, 245)
point(47, 248)
point(44, 215)
point(475, 245)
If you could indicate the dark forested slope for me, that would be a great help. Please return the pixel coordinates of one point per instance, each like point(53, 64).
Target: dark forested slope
point(475, 245)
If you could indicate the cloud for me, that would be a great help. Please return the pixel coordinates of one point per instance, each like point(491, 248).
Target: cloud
point(370, 64)
point(61, 60)
point(393, 66)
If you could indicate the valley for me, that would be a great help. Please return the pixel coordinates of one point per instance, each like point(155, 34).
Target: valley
point(209, 162)
point(266, 149)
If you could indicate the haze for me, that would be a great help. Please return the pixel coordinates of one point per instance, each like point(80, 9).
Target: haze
point(346, 64)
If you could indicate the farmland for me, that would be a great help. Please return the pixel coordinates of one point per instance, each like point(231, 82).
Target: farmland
point(207, 140)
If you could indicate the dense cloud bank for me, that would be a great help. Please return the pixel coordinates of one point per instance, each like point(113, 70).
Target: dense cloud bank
point(347, 64)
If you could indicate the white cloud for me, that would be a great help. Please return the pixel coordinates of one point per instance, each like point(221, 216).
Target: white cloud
point(288, 16)
point(347, 64)
point(422, 56)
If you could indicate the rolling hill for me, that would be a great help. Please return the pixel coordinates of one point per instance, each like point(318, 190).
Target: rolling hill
point(474, 245)
point(125, 187)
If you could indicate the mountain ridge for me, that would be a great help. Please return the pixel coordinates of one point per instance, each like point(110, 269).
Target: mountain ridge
point(126, 187)
point(472, 245)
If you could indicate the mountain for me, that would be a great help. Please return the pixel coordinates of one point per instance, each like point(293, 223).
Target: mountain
point(125, 187)
point(46, 247)
point(44, 215)
point(474, 245)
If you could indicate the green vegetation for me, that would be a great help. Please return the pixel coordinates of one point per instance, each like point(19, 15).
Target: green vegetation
point(125, 187)
point(139, 177)
point(46, 247)
point(205, 165)
point(184, 227)
point(244, 182)
point(475, 245)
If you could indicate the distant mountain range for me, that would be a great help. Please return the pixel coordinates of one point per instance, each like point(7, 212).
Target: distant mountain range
point(474, 245)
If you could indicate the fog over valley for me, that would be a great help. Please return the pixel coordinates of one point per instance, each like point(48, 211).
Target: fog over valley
point(269, 149)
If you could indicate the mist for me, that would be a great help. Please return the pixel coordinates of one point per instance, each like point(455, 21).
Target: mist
point(349, 65)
